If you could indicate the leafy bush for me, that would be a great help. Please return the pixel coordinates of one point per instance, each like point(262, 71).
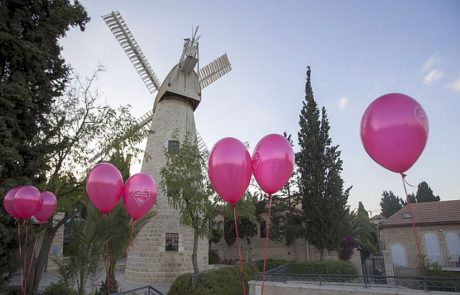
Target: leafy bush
point(271, 263)
point(58, 288)
point(213, 257)
point(224, 281)
point(328, 267)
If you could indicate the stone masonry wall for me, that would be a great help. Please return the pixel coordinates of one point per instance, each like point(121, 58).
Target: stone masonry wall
point(148, 261)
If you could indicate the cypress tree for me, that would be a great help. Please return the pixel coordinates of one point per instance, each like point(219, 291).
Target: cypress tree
point(324, 201)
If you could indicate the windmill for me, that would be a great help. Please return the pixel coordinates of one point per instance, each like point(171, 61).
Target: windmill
point(163, 249)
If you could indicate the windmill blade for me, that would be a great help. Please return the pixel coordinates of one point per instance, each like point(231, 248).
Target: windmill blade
point(126, 40)
point(214, 71)
point(201, 144)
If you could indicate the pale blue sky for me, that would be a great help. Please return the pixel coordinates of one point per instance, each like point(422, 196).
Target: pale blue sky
point(358, 51)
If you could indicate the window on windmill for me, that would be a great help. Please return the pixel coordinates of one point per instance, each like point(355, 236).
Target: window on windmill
point(173, 146)
point(172, 242)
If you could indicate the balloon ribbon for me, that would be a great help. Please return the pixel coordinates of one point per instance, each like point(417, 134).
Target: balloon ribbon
point(235, 217)
point(131, 240)
point(107, 257)
point(414, 229)
point(266, 241)
point(33, 253)
point(20, 254)
point(24, 289)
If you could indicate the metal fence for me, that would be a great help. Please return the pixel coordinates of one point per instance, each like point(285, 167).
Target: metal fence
point(283, 274)
point(146, 290)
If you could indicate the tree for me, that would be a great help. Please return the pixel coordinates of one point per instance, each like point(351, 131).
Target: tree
point(33, 75)
point(425, 194)
point(390, 204)
point(324, 201)
point(184, 181)
point(286, 223)
point(83, 128)
point(365, 233)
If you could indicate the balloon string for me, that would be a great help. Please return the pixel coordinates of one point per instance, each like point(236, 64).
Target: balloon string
point(107, 257)
point(33, 253)
point(414, 229)
point(20, 254)
point(266, 241)
point(25, 258)
point(131, 240)
point(235, 217)
point(405, 180)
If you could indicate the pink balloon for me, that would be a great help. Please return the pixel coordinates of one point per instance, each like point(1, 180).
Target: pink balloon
point(27, 201)
point(48, 207)
point(272, 163)
point(104, 186)
point(140, 195)
point(394, 131)
point(8, 202)
point(229, 169)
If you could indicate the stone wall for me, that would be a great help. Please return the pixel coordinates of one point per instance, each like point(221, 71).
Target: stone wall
point(148, 261)
point(404, 236)
point(296, 288)
point(57, 246)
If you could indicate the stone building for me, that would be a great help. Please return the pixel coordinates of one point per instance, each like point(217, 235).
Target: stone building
point(438, 231)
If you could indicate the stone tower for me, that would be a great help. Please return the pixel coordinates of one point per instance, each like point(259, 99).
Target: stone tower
point(163, 248)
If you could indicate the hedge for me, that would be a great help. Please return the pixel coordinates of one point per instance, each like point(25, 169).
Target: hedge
point(224, 281)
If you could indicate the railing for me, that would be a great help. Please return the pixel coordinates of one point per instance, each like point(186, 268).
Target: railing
point(146, 290)
point(419, 283)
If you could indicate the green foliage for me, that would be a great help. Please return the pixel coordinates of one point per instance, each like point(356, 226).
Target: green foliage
point(390, 204)
point(425, 194)
point(184, 180)
point(224, 281)
point(270, 263)
point(327, 267)
point(113, 286)
point(213, 257)
point(324, 201)
point(247, 221)
point(33, 75)
point(364, 233)
point(58, 288)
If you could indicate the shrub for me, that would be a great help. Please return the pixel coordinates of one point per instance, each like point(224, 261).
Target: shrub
point(58, 288)
point(271, 263)
point(213, 257)
point(328, 267)
point(224, 281)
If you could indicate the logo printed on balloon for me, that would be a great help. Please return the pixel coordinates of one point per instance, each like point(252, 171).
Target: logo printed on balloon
point(141, 197)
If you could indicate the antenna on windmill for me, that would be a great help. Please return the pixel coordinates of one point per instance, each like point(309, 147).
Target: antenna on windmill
point(189, 59)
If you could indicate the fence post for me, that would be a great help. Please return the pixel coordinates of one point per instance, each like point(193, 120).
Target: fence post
point(365, 281)
point(320, 281)
point(425, 285)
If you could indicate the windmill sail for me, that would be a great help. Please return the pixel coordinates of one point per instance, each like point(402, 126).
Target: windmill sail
point(124, 37)
point(214, 71)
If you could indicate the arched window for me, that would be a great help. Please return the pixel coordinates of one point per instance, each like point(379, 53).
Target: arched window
point(453, 245)
point(398, 255)
point(432, 248)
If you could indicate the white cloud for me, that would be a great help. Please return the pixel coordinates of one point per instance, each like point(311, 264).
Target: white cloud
point(343, 102)
point(454, 86)
point(431, 62)
point(433, 76)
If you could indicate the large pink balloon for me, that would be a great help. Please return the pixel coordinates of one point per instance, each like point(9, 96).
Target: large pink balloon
point(394, 131)
point(140, 195)
point(27, 201)
point(48, 207)
point(104, 186)
point(229, 169)
point(8, 202)
point(272, 163)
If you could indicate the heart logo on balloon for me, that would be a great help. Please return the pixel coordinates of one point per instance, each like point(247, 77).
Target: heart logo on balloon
point(141, 197)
